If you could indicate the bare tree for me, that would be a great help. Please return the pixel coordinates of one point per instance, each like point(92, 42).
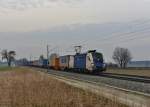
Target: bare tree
point(9, 56)
point(122, 56)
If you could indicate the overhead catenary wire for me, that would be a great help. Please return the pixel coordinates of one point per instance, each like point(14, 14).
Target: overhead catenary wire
point(121, 36)
point(142, 27)
point(126, 34)
point(126, 40)
point(115, 35)
point(124, 37)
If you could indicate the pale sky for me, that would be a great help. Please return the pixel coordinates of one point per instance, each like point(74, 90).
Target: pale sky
point(28, 25)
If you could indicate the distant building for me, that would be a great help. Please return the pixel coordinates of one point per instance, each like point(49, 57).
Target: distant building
point(140, 64)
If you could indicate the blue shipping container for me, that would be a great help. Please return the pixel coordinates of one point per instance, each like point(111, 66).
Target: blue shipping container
point(80, 61)
point(45, 62)
point(64, 59)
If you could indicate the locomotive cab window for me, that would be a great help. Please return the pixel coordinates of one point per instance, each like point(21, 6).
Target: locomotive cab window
point(98, 57)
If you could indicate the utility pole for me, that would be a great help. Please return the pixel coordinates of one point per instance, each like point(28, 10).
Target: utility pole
point(30, 57)
point(47, 58)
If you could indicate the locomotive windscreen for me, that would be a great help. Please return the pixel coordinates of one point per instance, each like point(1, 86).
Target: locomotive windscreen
point(98, 57)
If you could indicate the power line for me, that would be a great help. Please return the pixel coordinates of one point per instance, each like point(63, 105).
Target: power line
point(127, 40)
point(116, 35)
point(139, 23)
point(48, 57)
point(135, 38)
point(130, 36)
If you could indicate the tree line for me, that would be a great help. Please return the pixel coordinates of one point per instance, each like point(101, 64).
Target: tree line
point(120, 55)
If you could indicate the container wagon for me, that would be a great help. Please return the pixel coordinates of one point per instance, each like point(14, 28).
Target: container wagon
point(54, 62)
point(35, 63)
point(66, 62)
point(43, 63)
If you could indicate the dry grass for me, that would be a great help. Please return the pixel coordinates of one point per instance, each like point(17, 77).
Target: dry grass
point(26, 88)
point(5, 68)
point(140, 72)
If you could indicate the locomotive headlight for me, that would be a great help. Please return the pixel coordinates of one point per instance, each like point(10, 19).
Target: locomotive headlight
point(104, 65)
point(92, 64)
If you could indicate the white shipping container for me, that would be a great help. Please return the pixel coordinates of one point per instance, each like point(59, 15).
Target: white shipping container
point(67, 62)
point(71, 62)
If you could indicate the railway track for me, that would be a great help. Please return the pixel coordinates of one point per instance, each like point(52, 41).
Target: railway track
point(135, 78)
point(127, 97)
point(126, 91)
point(128, 82)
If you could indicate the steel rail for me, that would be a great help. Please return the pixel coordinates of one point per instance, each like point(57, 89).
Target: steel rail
point(99, 84)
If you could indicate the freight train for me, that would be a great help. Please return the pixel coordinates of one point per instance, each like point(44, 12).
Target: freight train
point(91, 61)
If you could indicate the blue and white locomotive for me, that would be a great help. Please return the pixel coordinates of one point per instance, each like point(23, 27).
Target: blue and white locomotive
point(90, 61)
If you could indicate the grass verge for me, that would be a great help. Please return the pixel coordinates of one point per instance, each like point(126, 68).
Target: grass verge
point(6, 68)
point(27, 88)
point(139, 72)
